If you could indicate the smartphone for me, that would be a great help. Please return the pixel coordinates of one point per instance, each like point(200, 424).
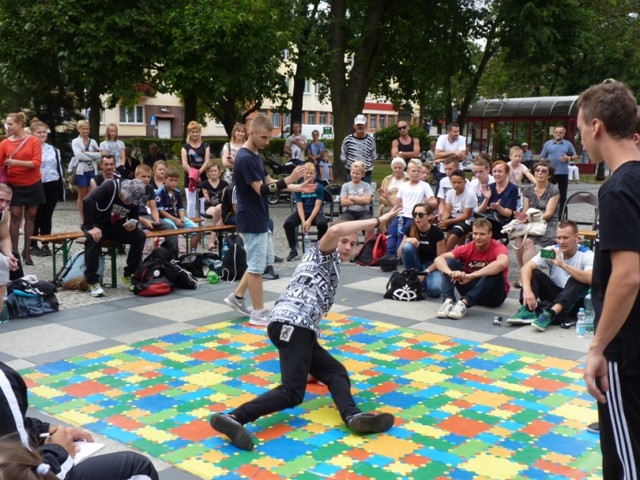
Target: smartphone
point(548, 253)
point(132, 222)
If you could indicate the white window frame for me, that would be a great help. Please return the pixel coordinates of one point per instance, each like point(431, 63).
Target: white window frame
point(138, 115)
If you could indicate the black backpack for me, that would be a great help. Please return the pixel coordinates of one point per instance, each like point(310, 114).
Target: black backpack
point(180, 277)
point(234, 261)
point(29, 297)
point(193, 263)
point(405, 286)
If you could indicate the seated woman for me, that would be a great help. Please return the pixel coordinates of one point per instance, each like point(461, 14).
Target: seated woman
point(544, 196)
point(389, 187)
point(211, 190)
point(356, 196)
point(421, 244)
point(308, 212)
point(500, 199)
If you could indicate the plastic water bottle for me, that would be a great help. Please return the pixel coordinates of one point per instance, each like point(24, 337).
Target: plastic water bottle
point(589, 314)
point(306, 243)
point(225, 249)
point(581, 324)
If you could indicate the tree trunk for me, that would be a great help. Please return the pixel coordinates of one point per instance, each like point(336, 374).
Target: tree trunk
point(95, 108)
point(190, 111)
point(297, 98)
point(349, 89)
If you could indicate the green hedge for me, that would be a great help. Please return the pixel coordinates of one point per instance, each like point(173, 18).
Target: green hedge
point(171, 146)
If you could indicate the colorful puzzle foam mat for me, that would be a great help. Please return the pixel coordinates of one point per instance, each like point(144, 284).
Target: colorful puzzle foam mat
point(463, 409)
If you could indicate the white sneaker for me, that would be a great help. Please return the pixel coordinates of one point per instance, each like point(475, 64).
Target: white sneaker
point(259, 317)
point(458, 311)
point(96, 290)
point(444, 310)
point(237, 305)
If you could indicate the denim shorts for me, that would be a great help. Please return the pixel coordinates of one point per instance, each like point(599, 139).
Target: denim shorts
point(256, 246)
point(186, 222)
point(85, 179)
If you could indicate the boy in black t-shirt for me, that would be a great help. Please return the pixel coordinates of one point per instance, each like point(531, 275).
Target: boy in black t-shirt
point(608, 121)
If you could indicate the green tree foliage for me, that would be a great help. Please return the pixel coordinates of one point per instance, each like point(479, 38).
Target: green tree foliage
point(562, 47)
point(349, 39)
point(224, 57)
point(80, 50)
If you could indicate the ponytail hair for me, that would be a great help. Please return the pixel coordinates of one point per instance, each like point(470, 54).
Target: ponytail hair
point(19, 463)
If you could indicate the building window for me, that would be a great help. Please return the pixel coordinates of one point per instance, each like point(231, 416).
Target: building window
point(307, 86)
point(323, 118)
point(132, 115)
point(372, 121)
point(383, 121)
point(311, 118)
point(275, 119)
point(287, 119)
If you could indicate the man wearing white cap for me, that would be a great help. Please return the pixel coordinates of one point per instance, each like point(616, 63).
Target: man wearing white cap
point(359, 146)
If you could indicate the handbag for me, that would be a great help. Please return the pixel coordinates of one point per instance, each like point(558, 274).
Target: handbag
point(535, 226)
point(405, 286)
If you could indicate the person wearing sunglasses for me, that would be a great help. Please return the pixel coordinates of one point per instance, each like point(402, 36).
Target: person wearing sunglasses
point(405, 146)
point(422, 243)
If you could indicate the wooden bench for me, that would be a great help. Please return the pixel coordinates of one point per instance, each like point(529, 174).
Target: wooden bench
point(589, 236)
point(62, 242)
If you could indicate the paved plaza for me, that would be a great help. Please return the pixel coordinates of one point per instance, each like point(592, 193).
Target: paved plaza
point(472, 400)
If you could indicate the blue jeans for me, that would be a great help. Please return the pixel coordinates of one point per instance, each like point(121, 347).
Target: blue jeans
point(433, 281)
point(394, 235)
point(486, 291)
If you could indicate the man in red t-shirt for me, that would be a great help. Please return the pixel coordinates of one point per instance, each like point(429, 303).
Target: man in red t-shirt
point(479, 271)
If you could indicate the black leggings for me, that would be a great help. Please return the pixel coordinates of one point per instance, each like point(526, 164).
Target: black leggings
point(45, 211)
point(114, 466)
point(300, 355)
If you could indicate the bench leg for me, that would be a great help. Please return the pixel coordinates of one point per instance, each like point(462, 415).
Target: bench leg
point(113, 253)
point(64, 247)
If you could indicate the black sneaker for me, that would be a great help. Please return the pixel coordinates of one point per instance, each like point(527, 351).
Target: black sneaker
point(370, 422)
point(229, 426)
point(45, 252)
point(36, 252)
point(293, 254)
point(593, 428)
point(277, 259)
point(270, 274)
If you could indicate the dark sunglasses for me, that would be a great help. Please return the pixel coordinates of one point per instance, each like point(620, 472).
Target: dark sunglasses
point(402, 128)
point(419, 214)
